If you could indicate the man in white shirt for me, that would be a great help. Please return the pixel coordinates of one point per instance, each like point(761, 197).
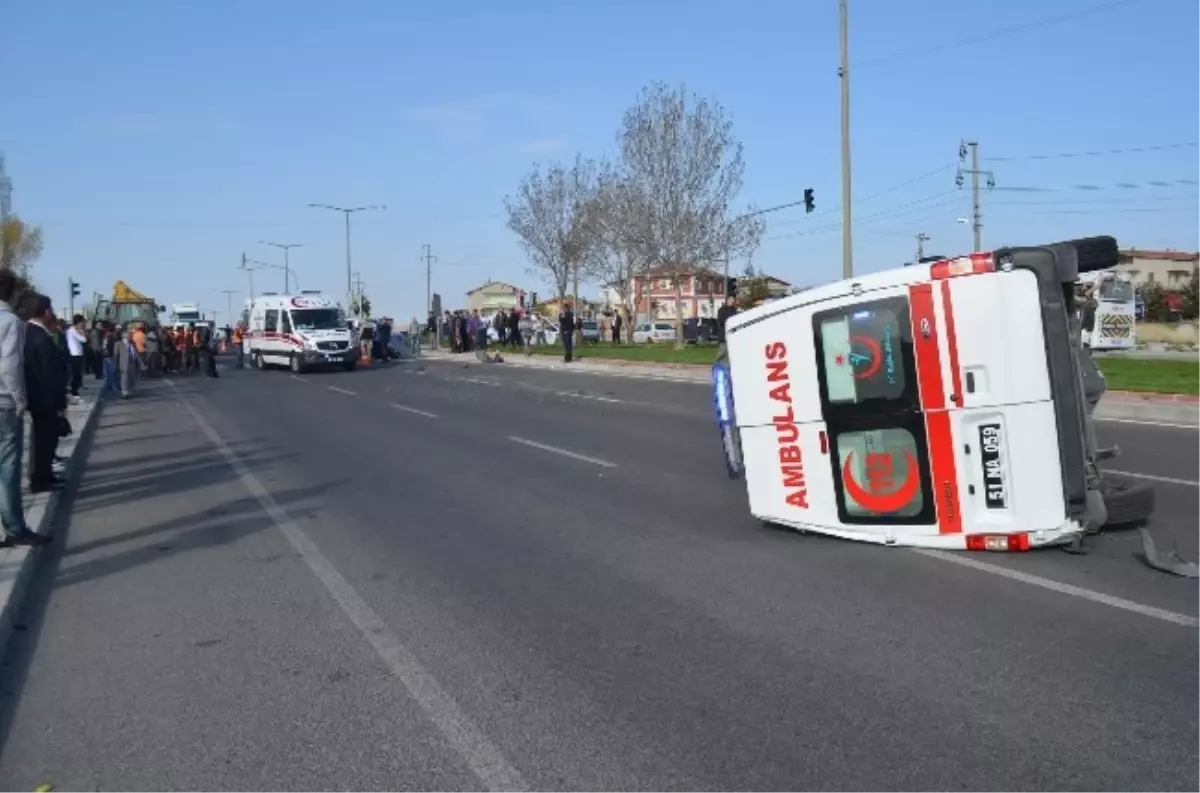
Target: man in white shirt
point(76, 343)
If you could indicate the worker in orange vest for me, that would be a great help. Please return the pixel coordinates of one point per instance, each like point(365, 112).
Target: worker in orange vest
point(237, 346)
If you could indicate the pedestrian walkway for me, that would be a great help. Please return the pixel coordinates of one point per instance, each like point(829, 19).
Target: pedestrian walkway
point(16, 564)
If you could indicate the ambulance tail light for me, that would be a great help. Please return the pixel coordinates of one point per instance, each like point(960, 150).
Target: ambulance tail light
point(998, 542)
point(975, 264)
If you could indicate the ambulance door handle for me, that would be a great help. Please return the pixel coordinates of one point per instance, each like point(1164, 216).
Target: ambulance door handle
point(970, 382)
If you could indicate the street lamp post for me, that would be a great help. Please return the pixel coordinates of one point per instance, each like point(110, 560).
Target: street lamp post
point(249, 273)
point(347, 211)
point(286, 246)
point(844, 73)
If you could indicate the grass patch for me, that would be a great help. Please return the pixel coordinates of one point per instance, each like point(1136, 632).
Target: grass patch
point(1151, 376)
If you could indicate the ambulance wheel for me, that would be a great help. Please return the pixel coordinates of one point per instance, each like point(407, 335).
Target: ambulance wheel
point(349, 365)
point(296, 366)
point(259, 363)
point(1128, 502)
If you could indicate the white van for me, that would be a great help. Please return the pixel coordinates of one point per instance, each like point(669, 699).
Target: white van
point(298, 331)
point(945, 405)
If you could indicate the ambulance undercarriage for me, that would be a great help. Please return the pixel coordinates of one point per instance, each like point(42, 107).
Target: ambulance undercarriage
point(976, 432)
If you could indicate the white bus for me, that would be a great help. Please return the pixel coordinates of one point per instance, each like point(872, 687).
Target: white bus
point(1115, 325)
point(945, 405)
point(298, 331)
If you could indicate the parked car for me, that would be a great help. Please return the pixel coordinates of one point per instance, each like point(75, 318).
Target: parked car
point(591, 331)
point(658, 333)
point(699, 330)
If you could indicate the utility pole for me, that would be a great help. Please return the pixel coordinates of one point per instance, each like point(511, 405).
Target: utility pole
point(229, 293)
point(429, 260)
point(245, 265)
point(844, 73)
point(922, 238)
point(976, 210)
point(287, 283)
point(348, 211)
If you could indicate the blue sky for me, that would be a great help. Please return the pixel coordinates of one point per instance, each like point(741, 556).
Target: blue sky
point(155, 141)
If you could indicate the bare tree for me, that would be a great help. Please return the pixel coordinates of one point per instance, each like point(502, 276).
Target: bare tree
point(619, 253)
point(20, 245)
point(551, 214)
point(680, 158)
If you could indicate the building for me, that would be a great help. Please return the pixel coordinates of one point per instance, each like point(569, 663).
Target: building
point(703, 292)
point(493, 296)
point(1168, 268)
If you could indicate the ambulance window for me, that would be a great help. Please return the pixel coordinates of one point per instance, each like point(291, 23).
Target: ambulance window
point(881, 477)
point(272, 323)
point(287, 322)
point(864, 352)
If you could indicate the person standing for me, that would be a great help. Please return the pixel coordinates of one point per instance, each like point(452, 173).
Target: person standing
point(618, 322)
point(76, 345)
point(46, 391)
point(12, 420)
point(566, 332)
point(723, 314)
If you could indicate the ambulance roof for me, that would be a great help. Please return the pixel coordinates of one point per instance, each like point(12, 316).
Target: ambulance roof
point(295, 301)
point(897, 276)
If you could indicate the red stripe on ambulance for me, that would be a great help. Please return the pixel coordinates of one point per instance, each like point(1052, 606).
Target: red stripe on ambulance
point(938, 434)
point(787, 434)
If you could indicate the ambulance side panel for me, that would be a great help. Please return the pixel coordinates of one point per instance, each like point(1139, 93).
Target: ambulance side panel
point(772, 487)
point(748, 348)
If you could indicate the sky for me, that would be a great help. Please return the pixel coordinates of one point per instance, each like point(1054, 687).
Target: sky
point(156, 141)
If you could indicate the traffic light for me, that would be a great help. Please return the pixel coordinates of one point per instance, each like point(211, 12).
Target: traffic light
point(809, 205)
point(74, 287)
point(533, 300)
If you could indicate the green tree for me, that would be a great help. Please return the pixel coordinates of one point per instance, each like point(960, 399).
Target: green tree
point(1190, 307)
point(20, 245)
point(751, 290)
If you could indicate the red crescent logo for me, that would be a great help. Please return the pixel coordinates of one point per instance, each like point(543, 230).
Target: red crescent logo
point(874, 351)
point(884, 503)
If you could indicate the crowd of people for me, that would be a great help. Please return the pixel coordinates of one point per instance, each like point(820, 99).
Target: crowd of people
point(43, 363)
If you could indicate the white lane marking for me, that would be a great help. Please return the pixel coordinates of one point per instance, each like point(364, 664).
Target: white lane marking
point(1192, 427)
point(613, 400)
point(301, 379)
point(341, 390)
point(493, 770)
point(406, 408)
point(564, 452)
point(1155, 478)
point(1064, 589)
point(477, 381)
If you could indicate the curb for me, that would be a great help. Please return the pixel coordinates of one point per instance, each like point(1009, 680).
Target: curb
point(17, 564)
point(1151, 396)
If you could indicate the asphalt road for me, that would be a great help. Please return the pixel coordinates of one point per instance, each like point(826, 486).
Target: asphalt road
point(449, 577)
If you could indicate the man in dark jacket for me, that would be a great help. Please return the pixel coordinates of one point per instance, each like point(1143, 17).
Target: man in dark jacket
point(46, 390)
point(566, 332)
point(723, 314)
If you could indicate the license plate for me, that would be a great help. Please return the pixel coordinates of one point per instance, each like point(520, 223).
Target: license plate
point(991, 445)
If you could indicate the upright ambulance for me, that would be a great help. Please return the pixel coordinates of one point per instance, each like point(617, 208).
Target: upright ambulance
point(944, 405)
point(298, 331)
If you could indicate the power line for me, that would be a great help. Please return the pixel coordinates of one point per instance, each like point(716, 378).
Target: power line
point(1067, 155)
point(928, 50)
point(910, 207)
point(1155, 183)
point(1124, 200)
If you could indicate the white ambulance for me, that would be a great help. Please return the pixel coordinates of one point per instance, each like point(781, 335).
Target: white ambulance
point(944, 405)
point(298, 331)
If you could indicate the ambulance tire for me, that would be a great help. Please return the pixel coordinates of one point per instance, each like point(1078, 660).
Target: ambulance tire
point(349, 365)
point(259, 363)
point(296, 365)
point(1128, 502)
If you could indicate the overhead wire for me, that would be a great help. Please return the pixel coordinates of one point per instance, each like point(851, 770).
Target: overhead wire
point(1023, 27)
point(1068, 155)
